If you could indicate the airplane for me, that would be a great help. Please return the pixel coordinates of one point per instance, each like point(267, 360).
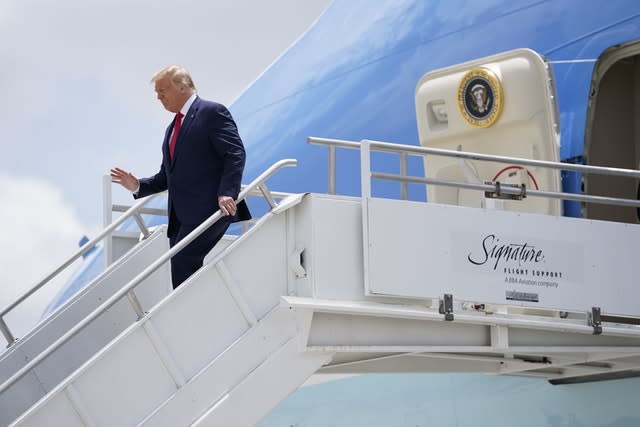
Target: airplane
point(404, 73)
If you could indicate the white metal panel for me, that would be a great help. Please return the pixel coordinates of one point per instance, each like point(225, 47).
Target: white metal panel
point(400, 362)
point(562, 263)
point(218, 378)
point(80, 348)
point(117, 387)
point(59, 408)
point(19, 397)
point(225, 241)
point(260, 269)
point(201, 321)
point(121, 243)
point(265, 387)
point(330, 329)
point(302, 239)
point(14, 359)
point(125, 383)
point(337, 247)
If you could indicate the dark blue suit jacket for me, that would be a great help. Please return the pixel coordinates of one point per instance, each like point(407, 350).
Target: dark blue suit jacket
point(208, 162)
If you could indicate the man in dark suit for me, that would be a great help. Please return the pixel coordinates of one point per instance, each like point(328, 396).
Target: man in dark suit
point(202, 162)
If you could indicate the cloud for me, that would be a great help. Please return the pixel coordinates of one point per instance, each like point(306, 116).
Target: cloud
point(75, 78)
point(40, 231)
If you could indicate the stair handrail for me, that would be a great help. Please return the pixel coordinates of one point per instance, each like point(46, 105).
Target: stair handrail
point(258, 183)
point(419, 150)
point(405, 150)
point(133, 211)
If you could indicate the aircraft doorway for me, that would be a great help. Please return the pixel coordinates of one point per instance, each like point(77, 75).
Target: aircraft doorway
point(613, 130)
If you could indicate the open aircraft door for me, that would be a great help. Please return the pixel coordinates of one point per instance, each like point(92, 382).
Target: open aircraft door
point(500, 105)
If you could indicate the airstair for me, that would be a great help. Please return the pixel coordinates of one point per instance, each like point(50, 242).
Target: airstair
point(497, 283)
point(287, 299)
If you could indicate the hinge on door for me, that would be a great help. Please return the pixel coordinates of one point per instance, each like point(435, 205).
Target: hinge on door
point(595, 320)
point(446, 307)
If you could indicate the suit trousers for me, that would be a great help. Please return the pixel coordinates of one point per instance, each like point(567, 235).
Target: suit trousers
point(191, 258)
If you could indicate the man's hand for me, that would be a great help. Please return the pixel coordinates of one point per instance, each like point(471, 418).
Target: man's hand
point(227, 205)
point(124, 178)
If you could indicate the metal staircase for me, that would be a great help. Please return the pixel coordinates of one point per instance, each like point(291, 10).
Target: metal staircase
point(335, 284)
point(36, 363)
point(58, 365)
point(217, 340)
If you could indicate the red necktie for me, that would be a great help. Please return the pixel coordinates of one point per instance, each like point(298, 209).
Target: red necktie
point(174, 136)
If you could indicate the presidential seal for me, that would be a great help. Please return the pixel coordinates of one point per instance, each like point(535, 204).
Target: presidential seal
point(480, 97)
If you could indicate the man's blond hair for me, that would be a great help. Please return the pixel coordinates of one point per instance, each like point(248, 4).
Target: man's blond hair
point(176, 75)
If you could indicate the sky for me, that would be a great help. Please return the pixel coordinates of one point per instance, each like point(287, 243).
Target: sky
point(76, 100)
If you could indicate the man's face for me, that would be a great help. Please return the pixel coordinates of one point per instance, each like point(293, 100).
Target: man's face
point(172, 97)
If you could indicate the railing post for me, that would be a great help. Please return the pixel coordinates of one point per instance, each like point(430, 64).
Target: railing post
point(332, 170)
point(135, 303)
point(267, 195)
point(107, 218)
point(404, 185)
point(6, 332)
point(365, 185)
point(365, 168)
point(141, 224)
